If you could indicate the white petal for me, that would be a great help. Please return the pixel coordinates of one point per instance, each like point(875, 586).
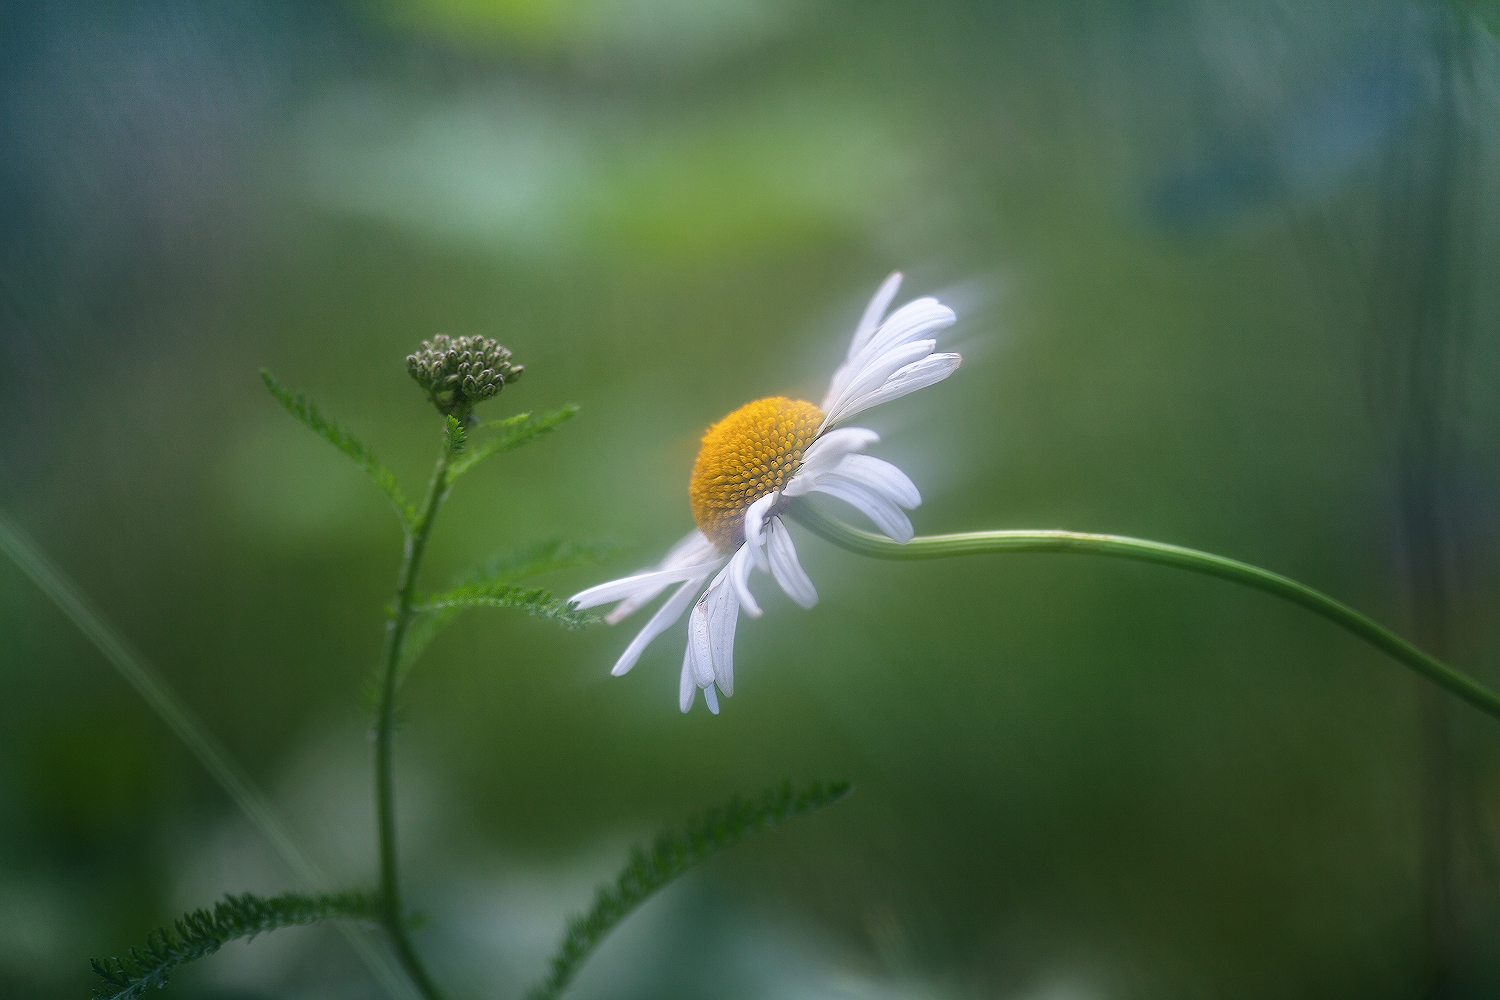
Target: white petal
point(873, 371)
point(712, 699)
point(785, 568)
point(700, 650)
point(686, 689)
point(825, 453)
point(643, 585)
point(631, 605)
point(740, 566)
point(874, 313)
point(933, 368)
point(722, 608)
point(754, 523)
point(873, 504)
point(916, 320)
point(692, 550)
point(881, 476)
point(876, 368)
point(664, 618)
point(919, 319)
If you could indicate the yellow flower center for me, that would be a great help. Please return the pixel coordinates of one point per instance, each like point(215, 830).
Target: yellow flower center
point(746, 455)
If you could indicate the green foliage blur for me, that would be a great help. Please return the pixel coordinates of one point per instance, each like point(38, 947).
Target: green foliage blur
point(1225, 278)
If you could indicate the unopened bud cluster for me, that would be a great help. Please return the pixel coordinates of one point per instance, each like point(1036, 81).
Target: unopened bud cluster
point(458, 372)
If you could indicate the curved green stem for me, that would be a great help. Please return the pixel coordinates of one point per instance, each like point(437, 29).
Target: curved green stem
point(391, 916)
point(994, 542)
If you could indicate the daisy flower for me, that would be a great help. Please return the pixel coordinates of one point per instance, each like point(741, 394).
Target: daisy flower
point(752, 463)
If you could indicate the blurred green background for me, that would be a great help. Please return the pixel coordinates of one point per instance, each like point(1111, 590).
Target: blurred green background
point(1226, 277)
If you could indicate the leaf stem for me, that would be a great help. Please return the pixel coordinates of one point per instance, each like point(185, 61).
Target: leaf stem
point(996, 542)
point(391, 916)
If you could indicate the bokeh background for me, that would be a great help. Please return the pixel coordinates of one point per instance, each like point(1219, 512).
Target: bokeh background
point(1226, 274)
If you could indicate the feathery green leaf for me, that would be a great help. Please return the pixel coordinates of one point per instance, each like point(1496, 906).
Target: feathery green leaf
point(536, 558)
point(455, 436)
point(512, 432)
point(670, 856)
point(537, 602)
point(201, 933)
point(425, 626)
point(306, 411)
point(502, 568)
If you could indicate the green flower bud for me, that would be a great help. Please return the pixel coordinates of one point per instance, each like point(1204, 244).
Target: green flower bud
point(457, 372)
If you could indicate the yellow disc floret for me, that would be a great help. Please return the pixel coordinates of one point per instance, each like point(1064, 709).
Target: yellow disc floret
point(749, 453)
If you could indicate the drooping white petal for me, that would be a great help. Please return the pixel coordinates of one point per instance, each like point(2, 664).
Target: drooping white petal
point(712, 699)
point(642, 585)
point(687, 689)
point(693, 555)
point(691, 549)
point(785, 567)
point(881, 476)
point(740, 565)
point(825, 453)
point(919, 375)
point(695, 550)
point(664, 618)
point(755, 517)
point(874, 313)
point(699, 646)
point(875, 505)
point(722, 608)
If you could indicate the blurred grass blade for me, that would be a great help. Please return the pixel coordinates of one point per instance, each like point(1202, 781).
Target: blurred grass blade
point(537, 602)
point(512, 432)
point(671, 855)
point(185, 725)
point(201, 933)
point(304, 410)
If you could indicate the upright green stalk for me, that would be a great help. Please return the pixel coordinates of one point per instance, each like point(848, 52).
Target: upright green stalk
point(391, 917)
point(994, 542)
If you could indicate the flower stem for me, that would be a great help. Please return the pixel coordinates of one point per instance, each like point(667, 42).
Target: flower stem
point(995, 542)
point(391, 917)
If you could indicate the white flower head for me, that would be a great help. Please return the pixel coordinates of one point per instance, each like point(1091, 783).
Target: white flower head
point(751, 464)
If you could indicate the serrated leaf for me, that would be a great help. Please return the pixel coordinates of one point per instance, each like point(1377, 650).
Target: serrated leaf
point(306, 411)
point(670, 856)
point(503, 568)
point(545, 556)
point(201, 933)
point(537, 602)
point(455, 436)
point(511, 432)
point(425, 626)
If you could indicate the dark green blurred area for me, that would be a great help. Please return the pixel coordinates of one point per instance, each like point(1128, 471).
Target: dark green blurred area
point(1225, 275)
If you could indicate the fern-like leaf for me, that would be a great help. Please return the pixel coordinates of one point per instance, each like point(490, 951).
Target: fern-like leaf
point(306, 411)
point(425, 626)
point(201, 933)
point(546, 556)
point(499, 570)
point(511, 432)
point(455, 436)
point(671, 855)
point(537, 602)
